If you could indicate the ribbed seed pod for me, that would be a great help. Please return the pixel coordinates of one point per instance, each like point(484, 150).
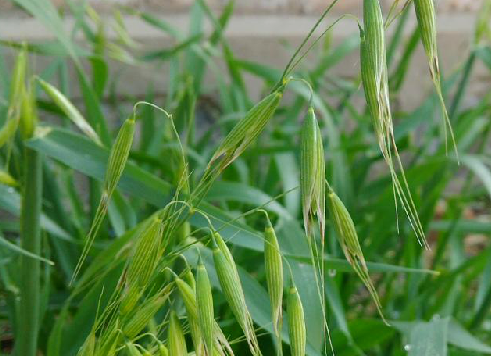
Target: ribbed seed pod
point(296, 323)
point(312, 174)
point(88, 348)
point(348, 239)
point(189, 297)
point(274, 277)
point(237, 141)
point(175, 337)
point(375, 84)
point(232, 289)
point(143, 315)
point(142, 264)
point(69, 110)
point(188, 293)
point(248, 128)
point(188, 277)
point(425, 13)
point(118, 157)
point(205, 308)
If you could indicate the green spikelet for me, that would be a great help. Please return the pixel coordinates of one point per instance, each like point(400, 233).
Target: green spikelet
point(425, 13)
point(232, 289)
point(348, 239)
point(205, 308)
point(274, 277)
point(116, 163)
point(375, 84)
point(296, 323)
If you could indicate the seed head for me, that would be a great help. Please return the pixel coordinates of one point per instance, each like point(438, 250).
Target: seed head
point(142, 264)
point(296, 323)
point(175, 337)
point(232, 289)
point(312, 174)
point(188, 293)
point(142, 316)
point(274, 277)
point(117, 161)
point(375, 84)
point(348, 239)
point(425, 13)
point(205, 308)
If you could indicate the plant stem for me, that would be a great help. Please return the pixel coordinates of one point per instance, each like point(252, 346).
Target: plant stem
point(30, 268)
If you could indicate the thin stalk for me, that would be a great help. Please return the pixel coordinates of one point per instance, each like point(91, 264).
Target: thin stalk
point(29, 306)
point(469, 65)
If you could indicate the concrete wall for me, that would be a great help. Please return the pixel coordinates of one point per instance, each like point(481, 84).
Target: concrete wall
point(258, 30)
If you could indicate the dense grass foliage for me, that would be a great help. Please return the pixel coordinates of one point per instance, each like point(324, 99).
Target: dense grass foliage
point(211, 222)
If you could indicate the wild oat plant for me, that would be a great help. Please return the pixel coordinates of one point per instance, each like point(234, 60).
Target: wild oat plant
point(214, 225)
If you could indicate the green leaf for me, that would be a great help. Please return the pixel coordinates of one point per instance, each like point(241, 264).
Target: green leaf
point(10, 201)
point(477, 166)
point(460, 337)
point(18, 250)
point(45, 11)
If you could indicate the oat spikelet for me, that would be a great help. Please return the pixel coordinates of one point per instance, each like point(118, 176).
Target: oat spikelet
point(118, 157)
point(141, 264)
point(175, 336)
point(296, 323)
point(425, 13)
point(274, 277)
point(312, 174)
point(375, 84)
point(348, 239)
point(229, 279)
point(188, 294)
point(205, 308)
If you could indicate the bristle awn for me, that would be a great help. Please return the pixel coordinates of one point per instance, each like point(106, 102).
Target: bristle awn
point(425, 13)
point(183, 181)
point(175, 336)
point(118, 157)
point(229, 279)
point(375, 84)
point(348, 239)
point(291, 64)
point(393, 7)
point(274, 276)
point(296, 322)
point(205, 308)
